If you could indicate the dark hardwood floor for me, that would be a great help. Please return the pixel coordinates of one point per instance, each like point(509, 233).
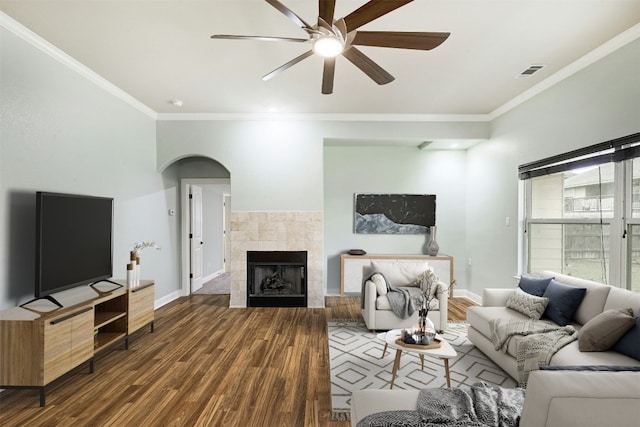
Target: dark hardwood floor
point(205, 365)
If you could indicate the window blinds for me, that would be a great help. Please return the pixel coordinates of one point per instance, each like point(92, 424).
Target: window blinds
point(615, 150)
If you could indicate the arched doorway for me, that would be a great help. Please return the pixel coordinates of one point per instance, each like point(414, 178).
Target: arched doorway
point(205, 254)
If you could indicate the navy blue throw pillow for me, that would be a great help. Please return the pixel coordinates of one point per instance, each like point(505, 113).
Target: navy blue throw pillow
point(563, 301)
point(629, 344)
point(534, 285)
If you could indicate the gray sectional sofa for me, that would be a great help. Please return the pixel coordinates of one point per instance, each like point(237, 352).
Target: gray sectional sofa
point(597, 299)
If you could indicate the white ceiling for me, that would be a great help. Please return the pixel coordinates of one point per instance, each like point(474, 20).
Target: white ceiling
point(157, 51)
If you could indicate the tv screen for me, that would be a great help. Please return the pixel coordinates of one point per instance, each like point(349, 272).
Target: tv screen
point(73, 241)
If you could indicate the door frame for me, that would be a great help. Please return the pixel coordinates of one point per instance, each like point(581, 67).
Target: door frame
point(185, 214)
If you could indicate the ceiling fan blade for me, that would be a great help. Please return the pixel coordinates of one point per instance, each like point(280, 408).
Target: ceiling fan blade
point(328, 74)
point(259, 38)
point(325, 24)
point(399, 39)
point(286, 66)
point(326, 9)
point(342, 27)
point(289, 13)
point(370, 68)
point(370, 11)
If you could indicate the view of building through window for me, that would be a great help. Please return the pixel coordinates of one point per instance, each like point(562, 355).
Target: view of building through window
point(571, 239)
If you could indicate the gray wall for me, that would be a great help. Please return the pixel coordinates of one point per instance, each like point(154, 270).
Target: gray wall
point(599, 103)
point(351, 170)
point(63, 133)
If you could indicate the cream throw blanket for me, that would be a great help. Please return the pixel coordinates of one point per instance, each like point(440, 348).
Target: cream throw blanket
point(540, 341)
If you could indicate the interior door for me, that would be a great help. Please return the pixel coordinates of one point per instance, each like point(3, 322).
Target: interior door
point(195, 236)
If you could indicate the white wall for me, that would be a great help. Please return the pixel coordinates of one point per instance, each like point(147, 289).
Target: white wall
point(61, 132)
point(351, 170)
point(596, 104)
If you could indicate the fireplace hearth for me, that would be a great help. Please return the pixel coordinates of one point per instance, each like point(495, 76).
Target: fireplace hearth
point(276, 279)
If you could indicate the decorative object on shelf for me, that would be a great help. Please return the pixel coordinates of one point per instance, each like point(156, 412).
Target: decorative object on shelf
point(134, 256)
point(432, 247)
point(357, 252)
point(130, 275)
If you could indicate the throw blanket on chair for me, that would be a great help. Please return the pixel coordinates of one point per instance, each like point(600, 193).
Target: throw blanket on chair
point(400, 299)
point(482, 406)
point(540, 341)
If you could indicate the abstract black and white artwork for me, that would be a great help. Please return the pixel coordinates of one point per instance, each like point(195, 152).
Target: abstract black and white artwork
point(394, 213)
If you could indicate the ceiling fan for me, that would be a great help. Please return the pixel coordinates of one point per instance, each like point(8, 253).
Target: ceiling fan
point(332, 37)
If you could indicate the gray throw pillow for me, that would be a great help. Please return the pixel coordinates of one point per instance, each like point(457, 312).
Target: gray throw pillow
point(530, 305)
point(604, 330)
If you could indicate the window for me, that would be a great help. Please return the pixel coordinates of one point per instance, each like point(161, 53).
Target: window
point(582, 215)
point(569, 222)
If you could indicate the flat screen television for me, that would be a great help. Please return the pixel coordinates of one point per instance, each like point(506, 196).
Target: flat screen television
point(74, 241)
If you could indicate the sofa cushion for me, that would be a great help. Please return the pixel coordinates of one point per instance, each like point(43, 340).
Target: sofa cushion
point(604, 330)
point(400, 273)
point(563, 301)
point(478, 317)
point(570, 355)
point(381, 284)
point(622, 298)
point(530, 305)
point(534, 285)
point(594, 299)
point(629, 344)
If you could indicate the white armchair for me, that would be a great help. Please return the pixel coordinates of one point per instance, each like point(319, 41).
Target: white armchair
point(376, 309)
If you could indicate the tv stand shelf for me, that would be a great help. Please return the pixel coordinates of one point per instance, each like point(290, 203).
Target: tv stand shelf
point(104, 318)
point(40, 342)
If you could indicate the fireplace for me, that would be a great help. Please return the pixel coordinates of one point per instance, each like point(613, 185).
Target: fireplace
point(276, 278)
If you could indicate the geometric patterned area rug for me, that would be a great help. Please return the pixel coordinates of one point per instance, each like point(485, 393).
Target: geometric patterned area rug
point(356, 363)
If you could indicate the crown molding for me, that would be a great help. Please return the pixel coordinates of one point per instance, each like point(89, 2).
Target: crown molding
point(327, 117)
point(41, 44)
point(595, 55)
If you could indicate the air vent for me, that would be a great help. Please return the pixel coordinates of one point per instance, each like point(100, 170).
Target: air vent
point(529, 71)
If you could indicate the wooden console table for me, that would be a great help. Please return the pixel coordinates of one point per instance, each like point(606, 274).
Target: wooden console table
point(354, 267)
point(41, 343)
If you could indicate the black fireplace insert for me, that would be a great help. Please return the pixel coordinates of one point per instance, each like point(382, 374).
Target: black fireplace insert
point(276, 278)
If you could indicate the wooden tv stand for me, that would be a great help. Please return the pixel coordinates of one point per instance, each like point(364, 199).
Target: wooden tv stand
point(40, 342)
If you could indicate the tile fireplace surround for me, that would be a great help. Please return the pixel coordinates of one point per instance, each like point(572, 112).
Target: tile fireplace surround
point(276, 231)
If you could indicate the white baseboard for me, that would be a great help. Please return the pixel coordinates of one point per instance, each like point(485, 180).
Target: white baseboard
point(464, 293)
point(166, 299)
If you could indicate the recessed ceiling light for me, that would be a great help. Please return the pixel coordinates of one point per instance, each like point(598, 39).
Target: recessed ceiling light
point(176, 102)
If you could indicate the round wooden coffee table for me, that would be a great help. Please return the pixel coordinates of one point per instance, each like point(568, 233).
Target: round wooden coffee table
point(444, 352)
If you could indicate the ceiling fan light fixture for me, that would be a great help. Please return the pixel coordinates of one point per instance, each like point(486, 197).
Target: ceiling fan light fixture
point(328, 46)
